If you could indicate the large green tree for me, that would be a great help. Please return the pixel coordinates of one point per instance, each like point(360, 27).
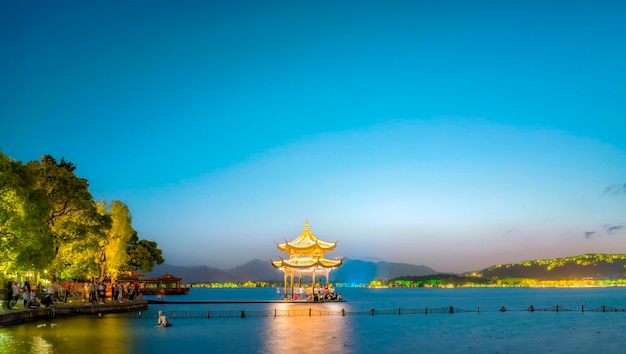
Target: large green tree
point(25, 239)
point(73, 219)
point(49, 221)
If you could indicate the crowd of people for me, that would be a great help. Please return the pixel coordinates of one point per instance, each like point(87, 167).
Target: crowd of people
point(28, 296)
point(318, 293)
point(16, 292)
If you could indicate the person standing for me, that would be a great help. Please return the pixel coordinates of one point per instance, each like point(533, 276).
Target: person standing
point(92, 292)
point(67, 287)
point(50, 289)
point(101, 292)
point(113, 291)
point(9, 295)
point(27, 291)
point(135, 290)
point(120, 292)
point(16, 294)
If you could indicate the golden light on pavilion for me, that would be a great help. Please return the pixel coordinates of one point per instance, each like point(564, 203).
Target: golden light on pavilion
point(307, 258)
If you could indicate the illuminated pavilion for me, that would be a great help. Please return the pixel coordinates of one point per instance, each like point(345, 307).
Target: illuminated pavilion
point(306, 258)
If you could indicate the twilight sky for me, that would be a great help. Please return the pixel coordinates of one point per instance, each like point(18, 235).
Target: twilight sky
point(454, 134)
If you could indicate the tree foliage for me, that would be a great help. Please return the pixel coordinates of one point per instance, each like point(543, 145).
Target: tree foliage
point(49, 221)
point(25, 239)
point(73, 219)
point(143, 255)
point(113, 256)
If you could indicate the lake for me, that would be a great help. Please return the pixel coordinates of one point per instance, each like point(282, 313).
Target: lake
point(347, 327)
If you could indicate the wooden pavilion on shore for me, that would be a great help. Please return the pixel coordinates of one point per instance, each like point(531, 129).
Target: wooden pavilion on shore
point(166, 284)
point(306, 259)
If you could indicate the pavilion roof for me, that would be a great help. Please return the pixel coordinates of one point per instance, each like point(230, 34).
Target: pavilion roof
point(165, 277)
point(307, 263)
point(306, 241)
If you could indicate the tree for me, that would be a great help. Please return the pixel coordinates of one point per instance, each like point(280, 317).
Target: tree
point(49, 221)
point(73, 219)
point(143, 255)
point(114, 256)
point(25, 239)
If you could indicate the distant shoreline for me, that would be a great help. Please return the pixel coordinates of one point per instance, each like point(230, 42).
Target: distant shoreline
point(446, 286)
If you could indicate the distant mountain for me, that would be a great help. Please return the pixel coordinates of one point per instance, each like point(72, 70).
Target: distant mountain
point(597, 266)
point(193, 274)
point(358, 271)
point(352, 271)
point(255, 270)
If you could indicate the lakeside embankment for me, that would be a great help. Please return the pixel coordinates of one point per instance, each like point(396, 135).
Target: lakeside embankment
point(9, 317)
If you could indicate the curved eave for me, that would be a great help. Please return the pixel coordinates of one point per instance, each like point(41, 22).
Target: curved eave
point(330, 263)
point(277, 264)
point(306, 263)
point(327, 246)
point(304, 247)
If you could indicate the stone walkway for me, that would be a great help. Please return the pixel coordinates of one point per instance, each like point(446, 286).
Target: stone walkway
point(21, 314)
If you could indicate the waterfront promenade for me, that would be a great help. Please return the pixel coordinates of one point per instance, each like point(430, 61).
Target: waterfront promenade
point(8, 317)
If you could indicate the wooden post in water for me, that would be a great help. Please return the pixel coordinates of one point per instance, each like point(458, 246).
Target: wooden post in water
point(343, 312)
point(582, 308)
point(451, 309)
point(208, 314)
point(531, 308)
point(372, 311)
point(174, 314)
point(557, 308)
point(426, 310)
point(399, 313)
point(243, 314)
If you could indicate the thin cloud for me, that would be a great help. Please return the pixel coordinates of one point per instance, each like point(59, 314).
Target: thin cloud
point(613, 228)
point(588, 234)
point(616, 189)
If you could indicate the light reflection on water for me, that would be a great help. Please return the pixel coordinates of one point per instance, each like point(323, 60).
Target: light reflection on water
point(297, 332)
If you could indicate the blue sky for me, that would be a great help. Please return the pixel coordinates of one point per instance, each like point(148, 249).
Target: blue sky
point(455, 134)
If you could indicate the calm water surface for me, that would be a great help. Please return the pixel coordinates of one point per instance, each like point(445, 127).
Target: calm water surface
point(293, 331)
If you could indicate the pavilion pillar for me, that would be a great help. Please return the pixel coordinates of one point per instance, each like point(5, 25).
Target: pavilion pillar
point(313, 282)
point(285, 283)
point(291, 285)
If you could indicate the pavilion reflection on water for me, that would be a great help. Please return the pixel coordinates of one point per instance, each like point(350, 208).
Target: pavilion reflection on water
point(306, 259)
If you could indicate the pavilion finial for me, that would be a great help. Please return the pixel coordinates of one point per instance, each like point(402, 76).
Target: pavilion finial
point(306, 223)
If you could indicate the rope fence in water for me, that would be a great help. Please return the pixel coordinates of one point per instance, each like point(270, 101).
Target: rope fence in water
point(310, 312)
